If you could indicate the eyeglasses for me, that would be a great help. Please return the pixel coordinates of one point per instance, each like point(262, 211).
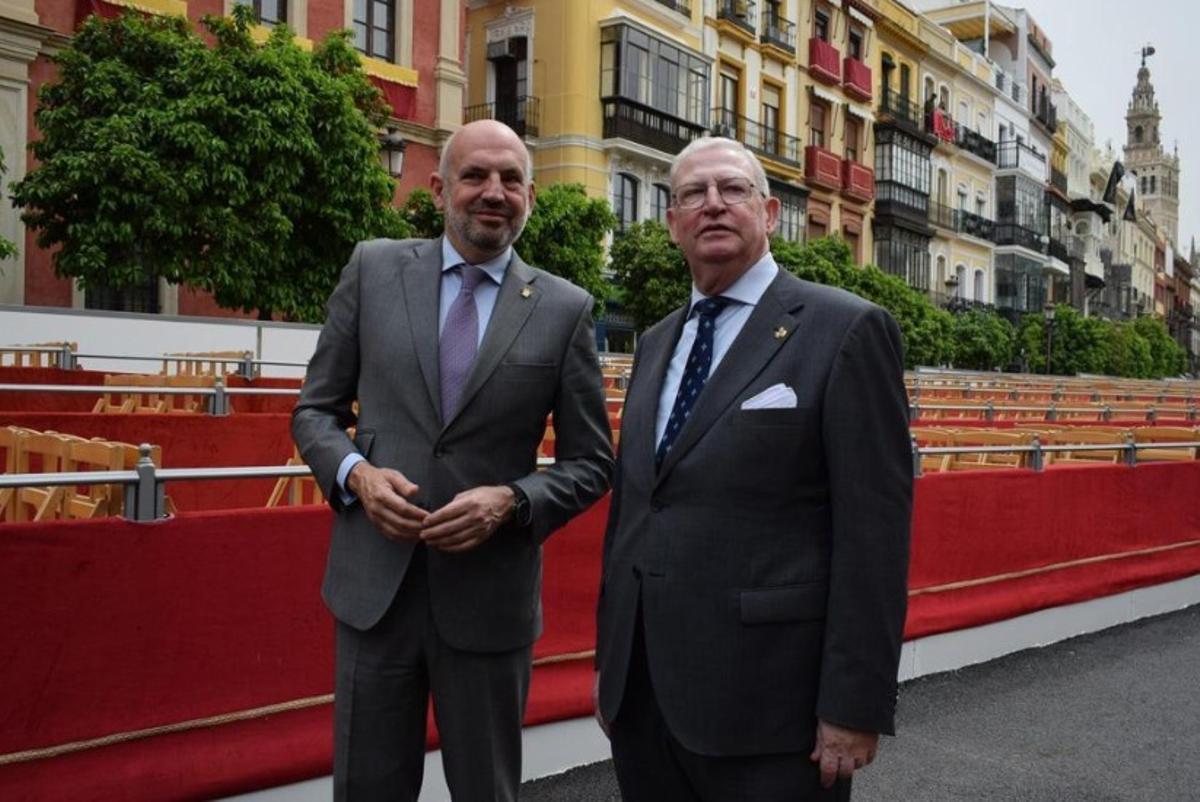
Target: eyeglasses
point(733, 191)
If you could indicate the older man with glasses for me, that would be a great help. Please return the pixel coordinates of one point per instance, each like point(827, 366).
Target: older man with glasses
point(755, 562)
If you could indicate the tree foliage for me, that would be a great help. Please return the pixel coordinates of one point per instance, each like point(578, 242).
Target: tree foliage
point(423, 215)
point(1167, 357)
point(651, 273)
point(8, 248)
point(981, 340)
point(565, 236)
point(243, 169)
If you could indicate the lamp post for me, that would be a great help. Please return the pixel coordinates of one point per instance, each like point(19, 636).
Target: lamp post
point(1048, 314)
point(391, 152)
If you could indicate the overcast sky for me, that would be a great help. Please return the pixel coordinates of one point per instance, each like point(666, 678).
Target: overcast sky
point(1096, 45)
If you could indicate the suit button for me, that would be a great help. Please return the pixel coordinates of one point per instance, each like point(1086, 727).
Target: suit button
point(439, 452)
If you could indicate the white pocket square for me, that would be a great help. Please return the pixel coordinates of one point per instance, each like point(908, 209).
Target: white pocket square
point(777, 396)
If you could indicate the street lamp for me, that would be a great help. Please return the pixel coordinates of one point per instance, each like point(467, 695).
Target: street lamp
point(391, 152)
point(1048, 314)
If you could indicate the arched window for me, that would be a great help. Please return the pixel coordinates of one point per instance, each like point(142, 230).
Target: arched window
point(980, 293)
point(930, 90)
point(960, 277)
point(1137, 134)
point(941, 272)
point(625, 200)
point(660, 200)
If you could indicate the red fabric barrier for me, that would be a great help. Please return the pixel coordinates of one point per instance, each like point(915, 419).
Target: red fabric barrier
point(978, 526)
point(116, 627)
point(47, 402)
point(188, 441)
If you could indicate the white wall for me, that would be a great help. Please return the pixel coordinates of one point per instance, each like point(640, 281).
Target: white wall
point(153, 335)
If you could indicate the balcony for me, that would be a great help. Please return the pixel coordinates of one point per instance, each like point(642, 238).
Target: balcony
point(1013, 234)
point(976, 143)
point(939, 123)
point(976, 225)
point(684, 7)
point(897, 202)
point(779, 32)
point(1013, 155)
point(822, 168)
point(857, 78)
point(1059, 249)
point(942, 216)
point(522, 114)
point(639, 123)
point(742, 13)
point(897, 109)
point(1046, 113)
point(1058, 180)
point(858, 181)
point(768, 142)
point(824, 61)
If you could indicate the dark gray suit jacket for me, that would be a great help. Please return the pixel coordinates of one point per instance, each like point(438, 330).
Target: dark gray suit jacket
point(770, 551)
point(379, 346)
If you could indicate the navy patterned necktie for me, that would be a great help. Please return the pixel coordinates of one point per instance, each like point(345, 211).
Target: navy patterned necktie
point(695, 372)
point(460, 341)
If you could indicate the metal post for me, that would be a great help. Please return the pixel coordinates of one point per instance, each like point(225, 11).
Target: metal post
point(246, 368)
point(916, 455)
point(1036, 457)
point(219, 402)
point(1152, 414)
point(1191, 413)
point(147, 501)
point(66, 357)
point(1051, 412)
point(1106, 413)
point(1130, 451)
point(989, 413)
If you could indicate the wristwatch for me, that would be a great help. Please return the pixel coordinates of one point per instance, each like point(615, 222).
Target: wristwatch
point(522, 514)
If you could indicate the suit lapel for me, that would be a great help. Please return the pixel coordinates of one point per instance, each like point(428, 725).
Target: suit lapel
point(515, 303)
point(769, 326)
point(639, 420)
point(422, 286)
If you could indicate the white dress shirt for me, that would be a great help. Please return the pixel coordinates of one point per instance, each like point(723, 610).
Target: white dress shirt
point(745, 294)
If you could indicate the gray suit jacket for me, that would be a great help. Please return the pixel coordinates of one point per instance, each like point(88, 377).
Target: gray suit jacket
point(770, 551)
point(379, 346)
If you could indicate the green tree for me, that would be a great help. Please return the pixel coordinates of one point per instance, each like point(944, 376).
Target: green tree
point(423, 215)
point(981, 340)
point(1167, 358)
point(1128, 352)
point(925, 328)
point(243, 169)
point(1078, 344)
point(651, 272)
point(565, 236)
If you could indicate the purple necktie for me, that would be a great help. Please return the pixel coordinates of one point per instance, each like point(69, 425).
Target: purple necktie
point(460, 340)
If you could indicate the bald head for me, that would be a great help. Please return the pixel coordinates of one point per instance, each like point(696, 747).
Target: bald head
point(481, 133)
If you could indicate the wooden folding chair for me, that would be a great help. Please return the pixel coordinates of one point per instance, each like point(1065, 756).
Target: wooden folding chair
point(40, 452)
point(989, 460)
point(1075, 436)
point(1166, 434)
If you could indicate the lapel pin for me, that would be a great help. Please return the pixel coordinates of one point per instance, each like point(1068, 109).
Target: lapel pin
point(780, 333)
point(526, 292)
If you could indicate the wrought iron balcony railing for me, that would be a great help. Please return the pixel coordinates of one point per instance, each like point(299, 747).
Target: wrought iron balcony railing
point(900, 109)
point(778, 31)
point(742, 13)
point(1013, 234)
point(522, 114)
point(762, 139)
point(682, 6)
point(638, 122)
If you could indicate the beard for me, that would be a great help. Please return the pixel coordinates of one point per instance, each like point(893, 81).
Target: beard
point(487, 238)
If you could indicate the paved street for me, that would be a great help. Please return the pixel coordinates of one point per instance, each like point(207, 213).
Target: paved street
point(1105, 717)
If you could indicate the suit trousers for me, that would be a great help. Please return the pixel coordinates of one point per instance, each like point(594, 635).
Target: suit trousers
point(652, 766)
point(384, 678)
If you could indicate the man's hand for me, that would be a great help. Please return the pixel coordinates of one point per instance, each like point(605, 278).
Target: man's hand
point(596, 706)
point(469, 519)
point(384, 495)
point(840, 751)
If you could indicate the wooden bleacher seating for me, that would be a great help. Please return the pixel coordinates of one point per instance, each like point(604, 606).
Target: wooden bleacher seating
point(34, 359)
point(1166, 434)
point(214, 363)
point(149, 402)
point(989, 460)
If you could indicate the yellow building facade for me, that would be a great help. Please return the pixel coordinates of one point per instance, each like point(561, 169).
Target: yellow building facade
point(606, 92)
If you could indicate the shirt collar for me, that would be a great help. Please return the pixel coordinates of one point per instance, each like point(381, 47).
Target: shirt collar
point(494, 267)
point(749, 288)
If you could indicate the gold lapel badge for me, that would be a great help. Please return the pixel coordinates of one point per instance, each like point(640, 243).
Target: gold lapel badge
point(526, 292)
point(780, 333)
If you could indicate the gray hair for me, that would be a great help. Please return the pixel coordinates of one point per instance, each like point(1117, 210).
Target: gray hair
point(757, 174)
point(444, 159)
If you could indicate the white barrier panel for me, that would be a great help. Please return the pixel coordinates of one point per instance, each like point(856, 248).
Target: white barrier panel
point(151, 336)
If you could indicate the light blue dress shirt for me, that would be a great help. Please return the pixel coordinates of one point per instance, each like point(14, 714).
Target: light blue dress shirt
point(746, 293)
point(485, 302)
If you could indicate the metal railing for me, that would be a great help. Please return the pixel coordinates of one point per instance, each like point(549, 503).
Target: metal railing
point(764, 140)
point(743, 13)
point(1014, 155)
point(69, 360)
point(682, 6)
point(1013, 234)
point(522, 114)
point(1037, 452)
point(629, 119)
point(778, 31)
point(1049, 412)
point(901, 109)
point(144, 485)
point(216, 397)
